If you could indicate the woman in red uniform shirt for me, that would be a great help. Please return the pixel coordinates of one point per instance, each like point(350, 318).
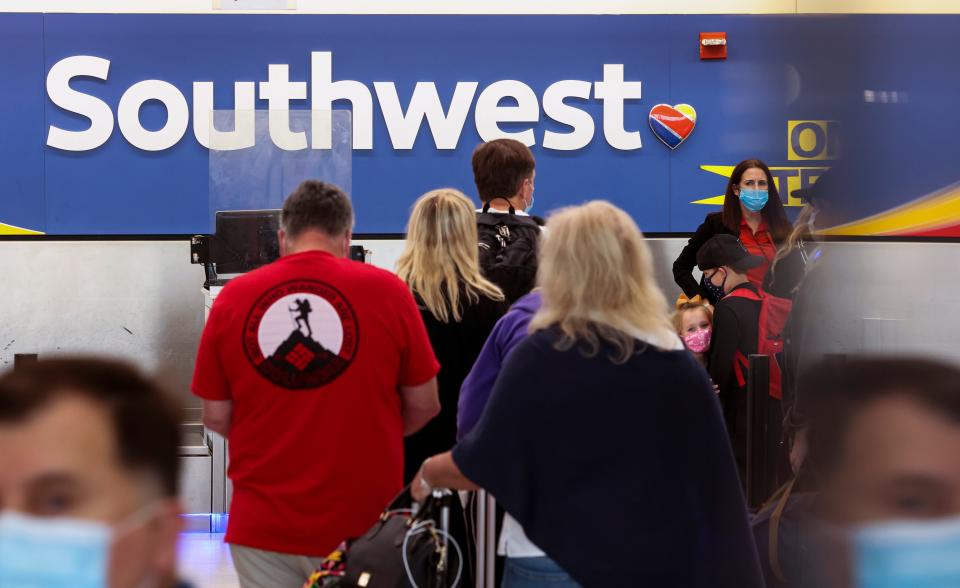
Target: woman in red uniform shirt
point(752, 212)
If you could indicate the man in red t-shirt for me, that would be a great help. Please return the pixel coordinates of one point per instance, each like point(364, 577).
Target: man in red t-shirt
point(314, 367)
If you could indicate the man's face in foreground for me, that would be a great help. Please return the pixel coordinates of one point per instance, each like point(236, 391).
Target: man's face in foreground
point(63, 462)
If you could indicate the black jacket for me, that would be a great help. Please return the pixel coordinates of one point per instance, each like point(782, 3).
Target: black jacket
point(457, 345)
point(735, 328)
point(628, 462)
point(687, 260)
point(788, 273)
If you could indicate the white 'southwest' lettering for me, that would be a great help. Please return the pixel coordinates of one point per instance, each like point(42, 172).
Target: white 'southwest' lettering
point(445, 122)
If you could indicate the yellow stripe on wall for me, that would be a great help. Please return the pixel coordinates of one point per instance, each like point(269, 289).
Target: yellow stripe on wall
point(15, 230)
point(936, 210)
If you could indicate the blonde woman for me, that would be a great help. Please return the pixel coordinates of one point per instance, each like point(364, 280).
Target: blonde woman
point(458, 305)
point(602, 437)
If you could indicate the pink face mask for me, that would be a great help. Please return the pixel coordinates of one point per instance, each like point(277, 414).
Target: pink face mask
point(698, 341)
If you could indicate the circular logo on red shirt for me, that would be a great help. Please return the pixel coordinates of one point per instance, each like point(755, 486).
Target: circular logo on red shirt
point(301, 334)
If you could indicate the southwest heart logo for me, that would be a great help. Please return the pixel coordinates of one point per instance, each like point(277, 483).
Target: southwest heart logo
point(672, 124)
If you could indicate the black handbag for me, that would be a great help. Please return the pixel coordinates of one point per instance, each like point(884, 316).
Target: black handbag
point(407, 548)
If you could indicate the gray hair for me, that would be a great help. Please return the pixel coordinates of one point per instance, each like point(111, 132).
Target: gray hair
point(319, 206)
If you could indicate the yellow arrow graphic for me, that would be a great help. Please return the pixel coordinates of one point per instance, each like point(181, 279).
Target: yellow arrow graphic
point(720, 170)
point(6, 229)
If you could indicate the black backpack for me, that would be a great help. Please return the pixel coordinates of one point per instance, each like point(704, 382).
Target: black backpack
point(508, 250)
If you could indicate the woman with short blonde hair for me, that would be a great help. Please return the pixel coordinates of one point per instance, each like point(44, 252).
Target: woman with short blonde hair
point(602, 437)
point(440, 264)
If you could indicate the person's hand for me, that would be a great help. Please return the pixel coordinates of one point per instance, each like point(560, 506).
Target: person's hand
point(716, 388)
point(419, 489)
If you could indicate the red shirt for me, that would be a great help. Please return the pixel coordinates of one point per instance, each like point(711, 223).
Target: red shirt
point(311, 349)
point(760, 244)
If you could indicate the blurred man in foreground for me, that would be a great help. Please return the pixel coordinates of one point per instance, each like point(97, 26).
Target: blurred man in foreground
point(884, 447)
point(88, 477)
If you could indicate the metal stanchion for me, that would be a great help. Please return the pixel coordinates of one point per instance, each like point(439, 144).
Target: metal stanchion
point(758, 445)
point(486, 536)
point(490, 546)
point(480, 530)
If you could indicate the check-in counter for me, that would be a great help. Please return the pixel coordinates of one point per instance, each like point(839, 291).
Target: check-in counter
point(204, 488)
point(196, 474)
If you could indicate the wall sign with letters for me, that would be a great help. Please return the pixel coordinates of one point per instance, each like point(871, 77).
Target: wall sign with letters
point(107, 125)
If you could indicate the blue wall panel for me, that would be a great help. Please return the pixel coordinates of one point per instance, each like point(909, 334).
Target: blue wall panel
point(778, 70)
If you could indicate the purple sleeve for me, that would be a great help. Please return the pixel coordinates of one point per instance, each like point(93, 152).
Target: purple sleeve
point(476, 388)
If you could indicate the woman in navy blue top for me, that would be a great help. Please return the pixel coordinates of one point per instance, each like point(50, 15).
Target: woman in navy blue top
point(603, 437)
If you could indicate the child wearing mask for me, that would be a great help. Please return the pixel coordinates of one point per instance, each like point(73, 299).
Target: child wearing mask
point(694, 323)
point(725, 262)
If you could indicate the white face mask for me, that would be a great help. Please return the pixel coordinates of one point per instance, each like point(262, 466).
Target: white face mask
point(37, 552)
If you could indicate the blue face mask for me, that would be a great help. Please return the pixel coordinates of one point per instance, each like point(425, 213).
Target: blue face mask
point(753, 200)
point(908, 554)
point(38, 552)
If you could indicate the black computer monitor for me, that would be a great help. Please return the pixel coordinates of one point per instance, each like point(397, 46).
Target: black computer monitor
point(244, 240)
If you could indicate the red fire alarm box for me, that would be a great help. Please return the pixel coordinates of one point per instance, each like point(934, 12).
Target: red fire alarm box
point(713, 45)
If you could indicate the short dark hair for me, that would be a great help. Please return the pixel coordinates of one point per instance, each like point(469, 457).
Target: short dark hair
point(832, 393)
point(145, 419)
point(316, 205)
point(500, 166)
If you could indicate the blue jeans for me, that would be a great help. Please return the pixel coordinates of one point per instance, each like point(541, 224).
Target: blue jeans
point(535, 572)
